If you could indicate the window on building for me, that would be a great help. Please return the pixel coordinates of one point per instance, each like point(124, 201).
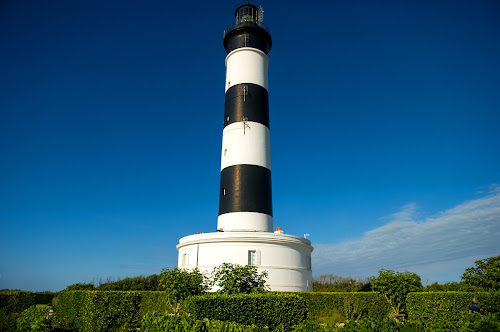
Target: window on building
point(184, 260)
point(252, 257)
point(308, 262)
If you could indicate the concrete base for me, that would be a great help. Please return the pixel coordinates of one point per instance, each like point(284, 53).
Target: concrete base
point(286, 258)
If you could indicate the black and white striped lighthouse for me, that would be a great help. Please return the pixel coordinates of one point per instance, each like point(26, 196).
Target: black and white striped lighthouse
point(245, 224)
point(245, 202)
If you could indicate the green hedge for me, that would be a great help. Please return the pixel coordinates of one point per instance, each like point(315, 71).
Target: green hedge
point(16, 301)
point(366, 305)
point(448, 306)
point(267, 309)
point(44, 297)
point(107, 310)
point(155, 322)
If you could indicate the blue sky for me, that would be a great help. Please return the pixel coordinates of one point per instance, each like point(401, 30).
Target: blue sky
point(384, 134)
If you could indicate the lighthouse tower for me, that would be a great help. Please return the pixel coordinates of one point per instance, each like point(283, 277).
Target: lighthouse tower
point(245, 224)
point(245, 202)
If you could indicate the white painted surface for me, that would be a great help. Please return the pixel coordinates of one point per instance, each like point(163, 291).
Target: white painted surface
point(246, 65)
point(245, 221)
point(246, 143)
point(283, 256)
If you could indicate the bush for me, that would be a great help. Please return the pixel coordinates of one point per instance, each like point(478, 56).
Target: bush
point(16, 301)
point(333, 283)
point(8, 321)
point(44, 297)
point(110, 311)
point(34, 319)
point(68, 309)
point(448, 306)
point(149, 283)
point(270, 310)
point(154, 322)
point(106, 309)
point(395, 286)
point(348, 305)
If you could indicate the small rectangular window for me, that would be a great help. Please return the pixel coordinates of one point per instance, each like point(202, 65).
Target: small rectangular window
point(184, 260)
point(252, 257)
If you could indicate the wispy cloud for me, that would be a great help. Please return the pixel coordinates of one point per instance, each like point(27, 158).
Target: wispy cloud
point(438, 248)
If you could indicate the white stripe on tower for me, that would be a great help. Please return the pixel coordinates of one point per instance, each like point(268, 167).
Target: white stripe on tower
point(245, 202)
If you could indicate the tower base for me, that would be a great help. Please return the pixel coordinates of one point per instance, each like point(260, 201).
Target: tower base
point(286, 258)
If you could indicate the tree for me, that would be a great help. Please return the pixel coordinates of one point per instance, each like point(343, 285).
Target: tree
point(181, 283)
point(486, 274)
point(395, 286)
point(238, 279)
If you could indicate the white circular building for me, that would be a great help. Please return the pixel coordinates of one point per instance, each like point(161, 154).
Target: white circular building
point(245, 223)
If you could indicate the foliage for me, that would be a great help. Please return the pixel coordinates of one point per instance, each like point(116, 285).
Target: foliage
point(34, 319)
point(68, 309)
point(8, 321)
point(154, 301)
point(349, 305)
point(238, 279)
point(149, 283)
point(485, 275)
point(447, 307)
point(181, 283)
point(395, 286)
point(155, 321)
point(110, 311)
point(449, 287)
point(265, 309)
point(44, 297)
point(16, 301)
point(76, 310)
point(80, 286)
point(333, 283)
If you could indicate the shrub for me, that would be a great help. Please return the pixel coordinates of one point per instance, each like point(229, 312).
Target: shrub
point(269, 309)
point(106, 309)
point(44, 297)
point(8, 321)
point(149, 283)
point(395, 286)
point(181, 283)
point(448, 306)
point(68, 309)
point(239, 279)
point(154, 301)
point(333, 283)
point(110, 311)
point(34, 319)
point(348, 305)
point(154, 322)
point(16, 301)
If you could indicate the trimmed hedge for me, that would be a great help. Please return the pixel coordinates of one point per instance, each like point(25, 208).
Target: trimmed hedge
point(155, 322)
point(448, 306)
point(366, 305)
point(267, 309)
point(16, 301)
point(107, 310)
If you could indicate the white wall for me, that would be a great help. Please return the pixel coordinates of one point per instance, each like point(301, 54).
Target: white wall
point(283, 256)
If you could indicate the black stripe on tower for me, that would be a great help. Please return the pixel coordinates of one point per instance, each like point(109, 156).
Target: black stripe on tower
point(245, 188)
point(248, 102)
point(248, 35)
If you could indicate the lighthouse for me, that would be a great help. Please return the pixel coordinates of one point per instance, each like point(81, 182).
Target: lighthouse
point(245, 202)
point(244, 233)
